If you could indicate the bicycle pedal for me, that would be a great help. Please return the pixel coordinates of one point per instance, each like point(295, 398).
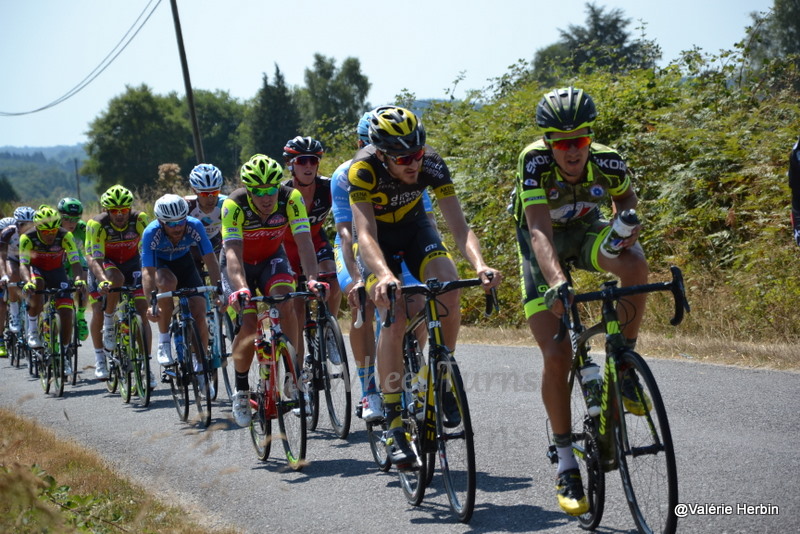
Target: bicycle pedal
point(552, 454)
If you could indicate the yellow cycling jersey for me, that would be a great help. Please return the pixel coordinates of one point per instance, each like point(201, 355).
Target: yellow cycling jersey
point(33, 251)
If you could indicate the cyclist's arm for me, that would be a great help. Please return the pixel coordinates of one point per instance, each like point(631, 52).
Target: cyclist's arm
point(540, 227)
point(148, 281)
point(212, 266)
point(627, 201)
point(301, 232)
point(73, 257)
point(25, 247)
point(96, 249)
point(233, 239)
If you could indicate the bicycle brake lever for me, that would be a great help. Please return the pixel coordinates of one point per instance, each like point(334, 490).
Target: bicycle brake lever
point(679, 295)
point(362, 298)
point(153, 303)
point(390, 312)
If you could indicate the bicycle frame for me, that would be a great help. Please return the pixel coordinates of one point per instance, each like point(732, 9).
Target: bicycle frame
point(121, 364)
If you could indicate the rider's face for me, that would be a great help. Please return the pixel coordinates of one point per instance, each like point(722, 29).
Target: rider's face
point(571, 162)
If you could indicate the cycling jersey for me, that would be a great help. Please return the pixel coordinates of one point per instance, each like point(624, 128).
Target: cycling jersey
point(36, 253)
point(105, 241)
point(262, 237)
point(539, 182)
point(156, 245)
point(9, 237)
point(393, 200)
point(317, 214)
point(212, 221)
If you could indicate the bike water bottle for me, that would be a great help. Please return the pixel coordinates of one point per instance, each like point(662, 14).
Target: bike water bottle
point(264, 363)
point(592, 382)
point(621, 229)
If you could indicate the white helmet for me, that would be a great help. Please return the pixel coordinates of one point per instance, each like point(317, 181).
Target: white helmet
point(171, 208)
point(205, 177)
point(24, 214)
point(7, 221)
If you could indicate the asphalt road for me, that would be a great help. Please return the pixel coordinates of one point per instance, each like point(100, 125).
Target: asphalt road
point(735, 430)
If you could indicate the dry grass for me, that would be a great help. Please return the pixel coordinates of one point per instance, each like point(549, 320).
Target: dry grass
point(30, 504)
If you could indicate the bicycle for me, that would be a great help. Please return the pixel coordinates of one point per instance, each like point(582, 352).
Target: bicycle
point(17, 342)
point(277, 394)
point(129, 363)
point(631, 432)
point(435, 413)
point(50, 357)
point(220, 339)
point(192, 366)
point(325, 368)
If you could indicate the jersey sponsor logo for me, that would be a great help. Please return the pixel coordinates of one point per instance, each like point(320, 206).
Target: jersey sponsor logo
point(597, 191)
point(530, 182)
point(295, 208)
point(430, 247)
point(265, 233)
point(448, 190)
point(434, 168)
point(612, 164)
point(359, 196)
point(535, 161)
point(553, 193)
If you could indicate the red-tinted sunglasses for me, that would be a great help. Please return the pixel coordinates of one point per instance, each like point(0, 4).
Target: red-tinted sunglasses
point(578, 142)
point(408, 159)
point(119, 211)
point(207, 194)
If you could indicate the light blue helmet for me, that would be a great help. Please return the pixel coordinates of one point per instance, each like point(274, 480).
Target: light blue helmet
point(363, 128)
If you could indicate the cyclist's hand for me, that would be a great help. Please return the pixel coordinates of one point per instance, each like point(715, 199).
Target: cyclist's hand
point(318, 288)
point(233, 298)
point(4, 280)
point(104, 286)
point(490, 281)
point(552, 298)
point(152, 314)
point(352, 295)
point(381, 290)
point(80, 284)
point(631, 240)
point(29, 287)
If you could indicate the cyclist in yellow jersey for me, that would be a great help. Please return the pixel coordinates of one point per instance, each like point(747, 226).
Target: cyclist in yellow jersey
point(112, 252)
point(42, 254)
point(386, 180)
point(254, 220)
point(561, 181)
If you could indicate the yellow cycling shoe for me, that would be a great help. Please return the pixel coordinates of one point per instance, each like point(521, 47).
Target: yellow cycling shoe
point(569, 491)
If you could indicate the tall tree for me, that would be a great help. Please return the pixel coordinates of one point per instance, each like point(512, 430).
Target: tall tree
point(775, 34)
point(272, 120)
point(138, 132)
point(333, 96)
point(602, 43)
point(219, 116)
point(7, 192)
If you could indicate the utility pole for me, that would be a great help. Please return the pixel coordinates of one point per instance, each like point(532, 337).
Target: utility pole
point(77, 178)
point(198, 143)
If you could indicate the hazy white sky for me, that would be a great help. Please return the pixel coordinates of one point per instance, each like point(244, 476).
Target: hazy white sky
point(47, 47)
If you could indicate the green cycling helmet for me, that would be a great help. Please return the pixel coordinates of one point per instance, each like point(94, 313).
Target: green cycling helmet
point(116, 197)
point(261, 170)
point(70, 206)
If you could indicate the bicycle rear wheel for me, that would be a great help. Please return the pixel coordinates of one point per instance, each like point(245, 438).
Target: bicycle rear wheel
point(645, 450)
point(113, 373)
point(178, 377)
point(260, 424)
point(140, 362)
point(290, 405)
point(310, 375)
point(225, 337)
point(376, 434)
point(200, 375)
point(336, 376)
point(455, 438)
point(13, 349)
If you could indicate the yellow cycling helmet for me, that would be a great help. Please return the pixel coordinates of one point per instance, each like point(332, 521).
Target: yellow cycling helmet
point(46, 218)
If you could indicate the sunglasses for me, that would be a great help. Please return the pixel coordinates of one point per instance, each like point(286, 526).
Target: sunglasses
point(69, 218)
point(207, 194)
point(175, 224)
point(306, 160)
point(408, 159)
point(581, 141)
point(47, 231)
point(262, 191)
point(119, 211)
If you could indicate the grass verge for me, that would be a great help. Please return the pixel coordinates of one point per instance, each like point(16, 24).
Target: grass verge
point(52, 485)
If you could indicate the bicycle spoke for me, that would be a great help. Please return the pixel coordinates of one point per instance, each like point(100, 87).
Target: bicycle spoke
point(290, 406)
point(336, 374)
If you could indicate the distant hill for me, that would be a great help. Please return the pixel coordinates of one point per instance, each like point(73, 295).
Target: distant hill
point(45, 174)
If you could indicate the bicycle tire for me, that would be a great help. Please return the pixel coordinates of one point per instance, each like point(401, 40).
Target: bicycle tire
point(260, 422)
point(140, 361)
point(199, 374)
point(312, 370)
point(455, 438)
point(376, 434)
point(225, 332)
point(178, 378)
point(122, 336)
point(71, 353)
point(584, 447)
point(44, 367)
point(290, 405)
point(56, 355)
point(646, 453)
point(13, 349)
point(113, 373)
point(336, 378)
point(413, 482)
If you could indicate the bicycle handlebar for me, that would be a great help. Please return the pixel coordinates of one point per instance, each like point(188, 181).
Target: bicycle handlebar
point(184, 292)
point(610, 292)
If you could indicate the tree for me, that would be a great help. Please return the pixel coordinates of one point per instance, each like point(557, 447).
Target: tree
point(333, 96)
point(602, 42)
point(218, 116)
point(272, 120)
point(775, 34)
point(137, 133)
point(7, 192)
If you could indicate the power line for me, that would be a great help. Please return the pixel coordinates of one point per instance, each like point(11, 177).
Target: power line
point(102, 66)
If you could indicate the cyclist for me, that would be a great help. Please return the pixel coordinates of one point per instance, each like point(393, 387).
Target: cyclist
point(386, 181)
point(302, 156)
point(9, 255)
point(112, 246)
point(794, 183)
point(206, 203)
point(254, 220)
point(4, 278)
point(561, 181)
point(362, 340)
point(42, 251)
point(71, 210)
point(166, 245)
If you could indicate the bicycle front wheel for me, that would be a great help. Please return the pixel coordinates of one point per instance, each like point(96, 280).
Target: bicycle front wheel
point(376, 434)
point(311, 375)
point(646, 455)
point(290, 405)
point(584, 446)
point(122, 335)
point(336, 374)
point(260, 423)
point(200, 375)
point(56, 355)
point(455, 438)
point(140, 362)
point(225, 338)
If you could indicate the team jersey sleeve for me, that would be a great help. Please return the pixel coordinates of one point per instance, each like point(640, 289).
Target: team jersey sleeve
point(232, 221)
point(298, 216)
point(95, 240)
point(340, 200)
point(529, 186)
point(147, 252)
point(25, 248)
point(70, 248)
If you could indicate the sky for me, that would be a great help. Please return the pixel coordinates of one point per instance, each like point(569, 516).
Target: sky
point(48, 47)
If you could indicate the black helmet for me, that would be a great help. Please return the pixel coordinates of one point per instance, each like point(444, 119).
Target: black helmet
point(302, 146)
point(565, 110)
point(396, 130)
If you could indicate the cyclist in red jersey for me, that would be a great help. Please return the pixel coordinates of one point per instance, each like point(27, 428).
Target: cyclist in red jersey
point(302, 156)
point(112, 252)
point(254, 221)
